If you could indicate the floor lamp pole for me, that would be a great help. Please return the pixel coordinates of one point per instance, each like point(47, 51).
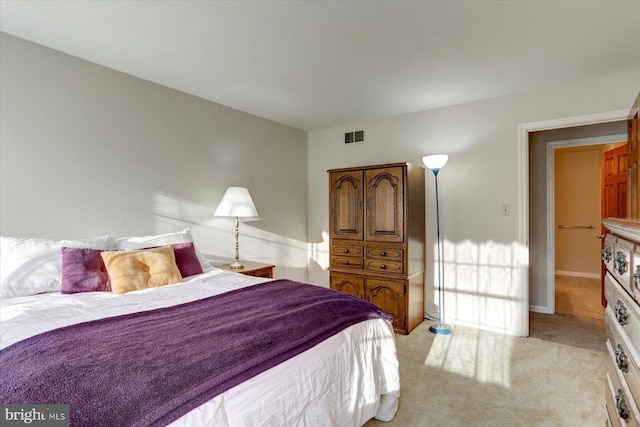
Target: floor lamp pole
point(440, 328)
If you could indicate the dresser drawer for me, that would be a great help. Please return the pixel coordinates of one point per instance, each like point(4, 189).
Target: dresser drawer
point(607, 251)
point(635, 274)
point(622, 251)
point(391, 267)
point(624, 312)
point(346, 250)
point(346, 262)
point(386, 254)
point(623, 357)
point(621, 409)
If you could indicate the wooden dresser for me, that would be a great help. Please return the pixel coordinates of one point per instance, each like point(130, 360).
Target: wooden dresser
point(377, 232)
point(621, 255)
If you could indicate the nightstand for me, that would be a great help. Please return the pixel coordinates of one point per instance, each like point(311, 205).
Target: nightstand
point(251, 269)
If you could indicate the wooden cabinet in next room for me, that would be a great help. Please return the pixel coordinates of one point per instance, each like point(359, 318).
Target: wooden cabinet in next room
point(377, 230)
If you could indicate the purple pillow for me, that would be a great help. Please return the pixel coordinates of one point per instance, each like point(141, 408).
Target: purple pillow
point(83, 271)
point(186, 259)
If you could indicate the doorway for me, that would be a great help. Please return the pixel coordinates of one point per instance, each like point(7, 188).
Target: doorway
point(542, 222)
point(589, 183)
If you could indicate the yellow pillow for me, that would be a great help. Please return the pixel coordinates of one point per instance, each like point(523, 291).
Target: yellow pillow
point(141, 269)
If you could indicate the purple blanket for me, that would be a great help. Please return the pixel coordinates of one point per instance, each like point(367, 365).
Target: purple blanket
point(152, 367)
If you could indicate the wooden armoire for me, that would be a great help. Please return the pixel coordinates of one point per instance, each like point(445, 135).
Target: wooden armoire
point(377, 232)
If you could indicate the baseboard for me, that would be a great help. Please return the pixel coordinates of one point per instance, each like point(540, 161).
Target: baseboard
point(499, 330)
point(540, 309)
point(577, 274)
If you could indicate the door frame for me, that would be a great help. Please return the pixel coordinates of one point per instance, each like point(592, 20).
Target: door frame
point(551, 207)
point(523, 224)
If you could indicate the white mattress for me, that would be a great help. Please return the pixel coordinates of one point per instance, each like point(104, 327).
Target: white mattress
point(343, 381)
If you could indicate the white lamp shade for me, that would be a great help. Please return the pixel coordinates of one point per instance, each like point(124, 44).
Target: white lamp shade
point(237, 202)
point(436, 161)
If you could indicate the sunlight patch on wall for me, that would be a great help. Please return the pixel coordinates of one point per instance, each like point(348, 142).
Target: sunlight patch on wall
point(215, 237)
point(319, 252)
point(483, 285)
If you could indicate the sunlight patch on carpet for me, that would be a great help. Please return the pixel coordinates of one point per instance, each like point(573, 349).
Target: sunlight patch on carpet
point(482, 356)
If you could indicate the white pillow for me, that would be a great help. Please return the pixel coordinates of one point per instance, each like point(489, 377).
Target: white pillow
point(184, 236)
point(34, 266)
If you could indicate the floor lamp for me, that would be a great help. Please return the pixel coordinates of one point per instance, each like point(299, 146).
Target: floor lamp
point(435, 163)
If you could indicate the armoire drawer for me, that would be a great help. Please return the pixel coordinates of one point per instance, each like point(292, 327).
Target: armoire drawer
point(385, 253)
point(347, 262)
point(346, 250)
point(390, 267)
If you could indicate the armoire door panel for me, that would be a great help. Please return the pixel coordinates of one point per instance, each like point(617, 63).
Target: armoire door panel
point(346, 207)
point(384, 204)
point(389, 296)
point(351, 285)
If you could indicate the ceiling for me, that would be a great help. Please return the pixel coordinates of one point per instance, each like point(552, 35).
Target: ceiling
point(318, 64)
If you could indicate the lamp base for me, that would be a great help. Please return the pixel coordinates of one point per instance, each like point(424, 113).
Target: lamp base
point(440, 329)
point(237, 265)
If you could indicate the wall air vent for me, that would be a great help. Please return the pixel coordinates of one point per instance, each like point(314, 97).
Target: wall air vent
point(354, 137)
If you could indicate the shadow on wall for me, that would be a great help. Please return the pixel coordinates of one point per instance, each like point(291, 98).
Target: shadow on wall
point(215, 237)
point(484, 285)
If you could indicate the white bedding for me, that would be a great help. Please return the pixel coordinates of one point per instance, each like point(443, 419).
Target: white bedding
point(343, 381)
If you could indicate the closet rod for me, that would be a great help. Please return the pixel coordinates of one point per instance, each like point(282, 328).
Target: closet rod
point(576, 226)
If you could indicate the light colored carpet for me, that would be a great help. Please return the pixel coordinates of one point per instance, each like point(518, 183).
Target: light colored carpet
point(480, 378)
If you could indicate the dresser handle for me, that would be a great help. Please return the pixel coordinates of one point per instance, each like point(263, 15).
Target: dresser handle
point(621, 359)
point(621, 313)
point(346, 251)
point(636, 276)
point(621, 405)
point(606, 253)
point(383, 266)
point(383, 253)
point(620, 263)
point(346, 263)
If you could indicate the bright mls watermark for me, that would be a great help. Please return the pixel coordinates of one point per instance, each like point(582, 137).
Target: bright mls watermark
point(34, 415)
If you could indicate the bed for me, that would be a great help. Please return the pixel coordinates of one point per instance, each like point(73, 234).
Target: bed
point(340, 369)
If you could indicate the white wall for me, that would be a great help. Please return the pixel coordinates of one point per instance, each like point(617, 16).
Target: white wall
point(485, 271)
point(86, 150)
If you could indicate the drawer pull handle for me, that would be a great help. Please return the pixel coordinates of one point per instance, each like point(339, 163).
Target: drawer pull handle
point(621, 312)
point(606, 253)
point(620, 263)
point(383, 266)
point(346, 251)
point(346, 263)
point(383, 253)
point(621, 359)
point(621, 405)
